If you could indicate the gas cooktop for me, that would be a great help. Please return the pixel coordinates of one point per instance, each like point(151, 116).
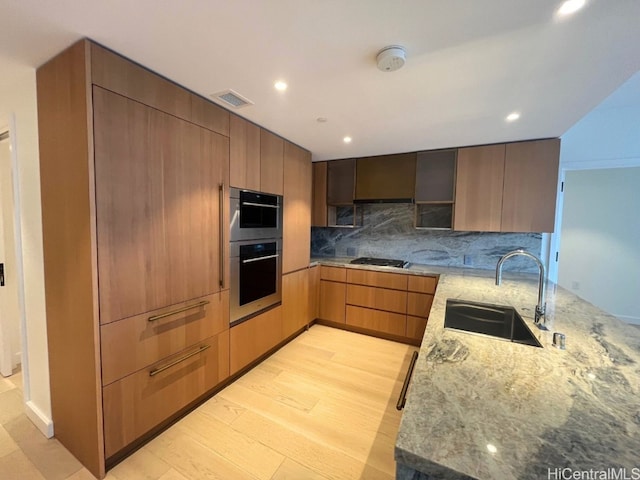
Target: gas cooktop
point(380, 262)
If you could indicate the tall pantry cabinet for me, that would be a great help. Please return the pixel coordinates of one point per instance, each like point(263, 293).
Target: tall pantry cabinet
point(134, 184)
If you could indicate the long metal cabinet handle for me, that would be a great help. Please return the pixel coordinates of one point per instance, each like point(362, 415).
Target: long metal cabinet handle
point(177, 310)
point(156, 371)
point(266, 205)
point(221, 228)
point(405, 385)
point(267, 257)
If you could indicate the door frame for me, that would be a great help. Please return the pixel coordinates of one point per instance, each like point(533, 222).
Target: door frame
point(8, 124)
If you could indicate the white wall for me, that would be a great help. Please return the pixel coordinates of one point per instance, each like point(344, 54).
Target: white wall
point(600, 253)
point(18, 99)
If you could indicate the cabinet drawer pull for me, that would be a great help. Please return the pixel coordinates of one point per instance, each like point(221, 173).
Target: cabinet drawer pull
point(156, 371)
point(261, 205)
point(407, 379)
point(258, 259)
point(178, 310)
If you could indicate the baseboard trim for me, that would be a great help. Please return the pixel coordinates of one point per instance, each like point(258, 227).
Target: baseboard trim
point(39, 419)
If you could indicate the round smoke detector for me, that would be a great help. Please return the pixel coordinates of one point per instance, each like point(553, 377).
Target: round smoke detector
point(391, 58)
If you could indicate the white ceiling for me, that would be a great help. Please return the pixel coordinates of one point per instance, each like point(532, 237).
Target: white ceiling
point(469, 62)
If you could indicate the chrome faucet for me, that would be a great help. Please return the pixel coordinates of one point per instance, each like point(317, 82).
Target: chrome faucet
point(541, 306)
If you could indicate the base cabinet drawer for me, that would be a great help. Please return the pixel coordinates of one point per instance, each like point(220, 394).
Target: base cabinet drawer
point(422, 284)
point(378, 298)
point(419, 304)
point(133, 343)
point(386, 322)
point(396, 281)
point(137, 403)
point(416, 327)
point(254, 337)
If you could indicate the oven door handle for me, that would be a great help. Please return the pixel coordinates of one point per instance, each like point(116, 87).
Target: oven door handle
point(257, 259)
point(252, 204)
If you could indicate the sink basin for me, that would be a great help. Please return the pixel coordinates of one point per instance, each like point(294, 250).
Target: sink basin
point(496, 321)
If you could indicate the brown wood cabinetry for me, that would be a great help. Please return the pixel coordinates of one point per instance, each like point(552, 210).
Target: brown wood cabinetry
point(392, 305)
point(297, 208)
point(134, 227)
point(314, 292)
point(479, 181)
point(295, 302)
point(254, 337)
point(271, 162)
point(435, 188)
point(507, 188)
point(137, 403)
point(319, 195)
point(244, 153)
point(530, 183)
point(386, 177)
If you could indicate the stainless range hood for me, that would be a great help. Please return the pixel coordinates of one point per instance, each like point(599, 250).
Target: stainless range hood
point(386, 179)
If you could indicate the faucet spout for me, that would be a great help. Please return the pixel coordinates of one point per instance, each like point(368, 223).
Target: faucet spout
point(541, 306)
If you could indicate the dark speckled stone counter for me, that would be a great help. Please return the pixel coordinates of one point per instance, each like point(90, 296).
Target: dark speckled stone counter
point(485, 408)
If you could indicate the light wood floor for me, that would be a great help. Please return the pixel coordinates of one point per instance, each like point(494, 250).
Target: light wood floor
point(322, 407)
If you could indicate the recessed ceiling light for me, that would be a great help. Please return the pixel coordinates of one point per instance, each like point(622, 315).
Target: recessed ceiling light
point(280, 86)
point(513, 116)
point(491, 448)
point(321, 120)
point(570, 6)
point(346, 139)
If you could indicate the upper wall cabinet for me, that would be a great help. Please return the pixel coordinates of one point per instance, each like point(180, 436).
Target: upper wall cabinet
point(341, 182)
point(530, 185)
point(319, 195)
point(271, 162)
point(386, 178)
point(244, 153)
point(435, 188)
point(507, 188)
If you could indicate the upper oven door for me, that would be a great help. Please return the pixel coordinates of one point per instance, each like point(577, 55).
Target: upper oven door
point(255, 215)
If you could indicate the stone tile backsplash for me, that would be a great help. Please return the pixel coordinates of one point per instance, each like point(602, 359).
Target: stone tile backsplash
point(387, 232)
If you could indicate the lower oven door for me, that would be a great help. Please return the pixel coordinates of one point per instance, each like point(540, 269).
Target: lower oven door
point(256, 272)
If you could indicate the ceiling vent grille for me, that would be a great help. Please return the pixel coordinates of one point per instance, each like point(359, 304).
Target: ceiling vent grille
point(232, 99)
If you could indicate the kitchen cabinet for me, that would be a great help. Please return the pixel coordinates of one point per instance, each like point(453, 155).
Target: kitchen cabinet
point(386, 178)
point(297, 208)
point(314, 292)
point(271, 162)
point(244, 153)
point(341, 182)
point(507, 187)
point(333, 292)
point(295, 302)
point(387, 304)
point(319, 195)
point(253, 338)
point(479, 183)
point(134, 187)
point(530, 184)
point(435, 188)
point(155, 183)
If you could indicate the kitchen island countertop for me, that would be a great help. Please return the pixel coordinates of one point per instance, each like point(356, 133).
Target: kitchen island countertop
point(486, 408)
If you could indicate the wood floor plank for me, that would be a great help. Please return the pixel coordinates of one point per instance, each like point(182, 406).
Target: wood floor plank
point(332, 463)
point(290, 470)
point(249, 455)
point(192, 459)
point(222, 409)
point(142, 464)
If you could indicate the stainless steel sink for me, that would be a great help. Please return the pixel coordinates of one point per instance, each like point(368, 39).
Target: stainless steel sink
point(496, 321)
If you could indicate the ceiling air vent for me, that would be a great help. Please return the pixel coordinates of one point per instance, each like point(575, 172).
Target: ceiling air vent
point(232, 99)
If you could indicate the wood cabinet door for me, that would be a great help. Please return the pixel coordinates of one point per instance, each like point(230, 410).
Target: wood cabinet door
point(314, 293)
point(319, 195)
point(295, 301)
point(341, 182)
point(332, 301)
point(296, 248)
point(157, 207)
point(271, 162)
point(479, 179)
point(254, 337)
point(244, 161)
point(530, 185)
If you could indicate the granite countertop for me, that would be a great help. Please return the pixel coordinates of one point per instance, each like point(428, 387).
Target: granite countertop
point(486, 408)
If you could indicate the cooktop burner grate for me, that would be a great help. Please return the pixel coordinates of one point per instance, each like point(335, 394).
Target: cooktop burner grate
point(380, 262)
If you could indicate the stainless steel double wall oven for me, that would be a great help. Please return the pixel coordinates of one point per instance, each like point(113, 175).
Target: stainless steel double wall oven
point(256, 252)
